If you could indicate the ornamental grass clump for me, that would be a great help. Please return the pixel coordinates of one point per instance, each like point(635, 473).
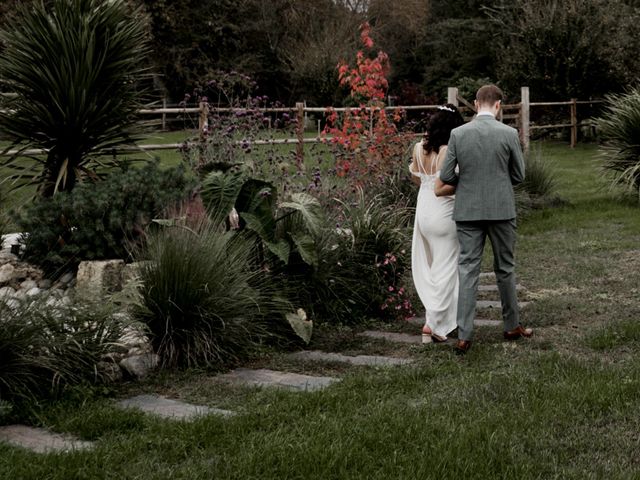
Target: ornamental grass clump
point(619, 131)
point(46, 346)
point(203, 296)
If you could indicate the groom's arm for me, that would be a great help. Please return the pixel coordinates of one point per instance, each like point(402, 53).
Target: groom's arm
point(516, 162)
point(448, 173)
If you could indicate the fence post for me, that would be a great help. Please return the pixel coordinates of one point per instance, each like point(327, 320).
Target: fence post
point(203, 120)
point(164, 115)
point(574, 122)
point(300, 135)
point(203, 123)
point(452, 96)
point(525, 107)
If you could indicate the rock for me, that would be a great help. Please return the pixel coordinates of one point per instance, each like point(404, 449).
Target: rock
point(45, 284)
point(139, 366)
point(109, 371)
point(53, 302)
point(7, 292)
point(6, 273)
point(32, 292)
point(56, 293)
point(131, 272)
point(137, 351)
point(66, 278)
point(99, 277)
point(28, 285)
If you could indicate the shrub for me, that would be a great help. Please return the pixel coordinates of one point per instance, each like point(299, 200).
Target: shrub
point(362, 264)
point(538, 190)
point(619, 130)
point(45, 348)
point(99, 220)
point(203, 298)
point(75, 66)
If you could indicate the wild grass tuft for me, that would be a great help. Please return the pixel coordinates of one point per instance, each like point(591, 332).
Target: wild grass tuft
point(203, 297)
point(45, 348)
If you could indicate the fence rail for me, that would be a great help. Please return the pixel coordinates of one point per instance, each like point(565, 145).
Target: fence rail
point(518, 112)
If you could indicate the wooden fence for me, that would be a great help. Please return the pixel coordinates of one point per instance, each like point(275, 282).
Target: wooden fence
point(518, 114)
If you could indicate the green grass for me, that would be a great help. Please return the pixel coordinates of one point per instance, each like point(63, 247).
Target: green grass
point(562, 405)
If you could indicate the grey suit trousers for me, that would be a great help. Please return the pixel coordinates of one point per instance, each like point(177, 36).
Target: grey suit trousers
point(471, 237)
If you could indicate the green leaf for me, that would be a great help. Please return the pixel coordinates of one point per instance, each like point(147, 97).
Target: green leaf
point(265, 230)
point(309, 208)
point(280, 249)
point(220, 192)
point(306, 247)
point(301, 326)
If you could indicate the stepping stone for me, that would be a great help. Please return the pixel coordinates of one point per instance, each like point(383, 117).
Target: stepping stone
point(272, 378)
point(493, 288)
point(366, 360)
point(482, 322)
point(171, 409)
point(39, 440)
point(495, 304)
point(478, 322)
point(392, 336)
point(488, 275)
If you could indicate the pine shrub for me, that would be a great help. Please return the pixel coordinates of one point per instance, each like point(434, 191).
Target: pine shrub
point(99, 220)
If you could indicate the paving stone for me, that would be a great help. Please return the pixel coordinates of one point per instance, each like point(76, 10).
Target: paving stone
point(488, 275)
point(478, 322)
point(172, 409)
point(393, 337)
point(40, 440)
point(493, 288)
point(366, 360)
point(272, 378)
point(496, 304)
point(483, 322)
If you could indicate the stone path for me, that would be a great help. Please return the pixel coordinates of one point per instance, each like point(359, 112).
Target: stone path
point(482, 304)
point(39, 440)
point(478, 322)
point(272, 378)
point(494, 288)
point(392, 336)
point(171, 409)
point(362, 360)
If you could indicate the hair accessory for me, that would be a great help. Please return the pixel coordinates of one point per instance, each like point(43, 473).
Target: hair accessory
point(448, 109)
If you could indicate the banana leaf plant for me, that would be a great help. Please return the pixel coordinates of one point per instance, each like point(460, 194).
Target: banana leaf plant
point(283, 228)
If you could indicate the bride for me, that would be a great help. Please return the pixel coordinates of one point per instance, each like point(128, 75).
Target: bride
point(434, 253)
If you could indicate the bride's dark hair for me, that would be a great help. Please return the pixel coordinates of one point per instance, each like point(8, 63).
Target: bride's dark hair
point(439, 127)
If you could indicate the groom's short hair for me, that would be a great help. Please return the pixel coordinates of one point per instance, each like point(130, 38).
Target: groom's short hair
point(489, 94)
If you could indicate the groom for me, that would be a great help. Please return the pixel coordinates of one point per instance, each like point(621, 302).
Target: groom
point(489, 158)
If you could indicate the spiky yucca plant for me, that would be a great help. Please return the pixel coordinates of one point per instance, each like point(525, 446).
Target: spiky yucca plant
point(75, 66)
point(619, 130)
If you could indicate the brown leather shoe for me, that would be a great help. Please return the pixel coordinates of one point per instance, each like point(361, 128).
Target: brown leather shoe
point(518, 332)
point(463, 346)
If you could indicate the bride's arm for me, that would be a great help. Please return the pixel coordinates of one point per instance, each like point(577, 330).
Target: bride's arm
point(442, 189)
point(413, 168)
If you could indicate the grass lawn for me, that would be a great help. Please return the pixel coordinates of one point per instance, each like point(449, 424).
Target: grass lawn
point(562, 405)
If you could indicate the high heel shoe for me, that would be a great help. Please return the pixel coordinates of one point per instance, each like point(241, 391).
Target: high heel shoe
point(429, 337)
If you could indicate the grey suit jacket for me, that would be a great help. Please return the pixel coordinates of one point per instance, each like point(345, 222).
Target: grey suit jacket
point(490, 162)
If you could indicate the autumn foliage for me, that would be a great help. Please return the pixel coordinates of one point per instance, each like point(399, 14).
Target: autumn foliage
point(366, 136)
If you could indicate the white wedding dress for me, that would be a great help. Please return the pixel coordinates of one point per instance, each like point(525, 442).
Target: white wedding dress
point(434, 253)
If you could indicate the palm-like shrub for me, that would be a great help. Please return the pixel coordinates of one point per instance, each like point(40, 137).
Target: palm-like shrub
point(202, 297)
point(619, 130)
point(44, 348)
point(75, 67)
